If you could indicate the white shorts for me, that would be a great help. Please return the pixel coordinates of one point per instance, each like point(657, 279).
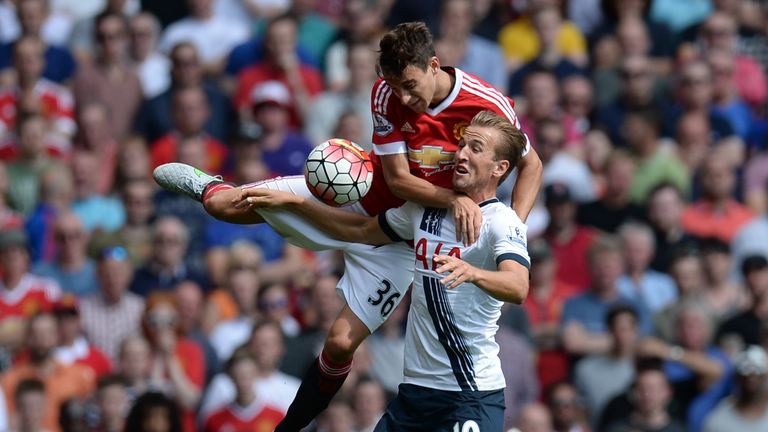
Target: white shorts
point(375, 277)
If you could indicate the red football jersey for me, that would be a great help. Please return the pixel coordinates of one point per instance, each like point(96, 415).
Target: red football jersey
point(32, 295)
point(429, 139)
point(258, 417)
point(55, 102)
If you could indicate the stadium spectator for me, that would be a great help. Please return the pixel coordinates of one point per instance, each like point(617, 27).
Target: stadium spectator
point(664, 214)
point(695, 139)
point(73, 347)
point(32, 162)
point(567, 408)
point(284, 149)
point(560, 165)
point(521, 44)
point(274, 304)
point(651, 393)
point(541, 94)
point(111, 79)
point(534, 417)
point(22, 294)
point(176, 364)
point(249, 409)
point(315, 32)
point(723, 296)
point(165, 267)
point(190, 111)
point(112, 403)
point(519, 368)
point(655, 165)
point(547, 23)
point(135, 234)
point(97, 211)
point(152, 66)
point(662, 40)
point(61, 381)
point(154, 117)
point(9, 219)
point(726, 100)
point(699, 372)
point(457, 45)
point(154, 412)
point(569, 240)
point(82, 41)
point(266, 344)
point(280, 63)
point(387, 348)
point(653, 289)
point(368, 404)
point(717, 213)
point(744, 327)
point(243, 284)
point(113, 313)
point(614, 207)
point(578, 102)
point(354, 95)
point(746, 408)
point(686, 268)
point(583, 324)
point(212, 36)
point(94, 135)
point(31, 401)
point(56, 193)
point(71, 268)
point(59, 65)
point(189, 301)
point(600, 377)
point(338, 417)
point(132, 364)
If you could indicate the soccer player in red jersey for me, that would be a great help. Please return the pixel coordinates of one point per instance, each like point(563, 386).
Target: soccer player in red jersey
point(420, 111)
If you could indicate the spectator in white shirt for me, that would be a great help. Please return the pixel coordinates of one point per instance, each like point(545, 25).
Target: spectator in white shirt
point(154, 68)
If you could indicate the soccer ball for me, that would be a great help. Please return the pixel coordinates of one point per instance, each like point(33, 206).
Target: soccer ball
point(338, 172)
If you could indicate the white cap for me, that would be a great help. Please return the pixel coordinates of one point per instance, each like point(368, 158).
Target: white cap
point(271, 91)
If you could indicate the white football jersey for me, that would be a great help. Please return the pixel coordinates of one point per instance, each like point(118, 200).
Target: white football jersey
point(449, 342)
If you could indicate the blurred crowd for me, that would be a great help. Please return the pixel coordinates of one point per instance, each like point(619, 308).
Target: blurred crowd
point(126, 307)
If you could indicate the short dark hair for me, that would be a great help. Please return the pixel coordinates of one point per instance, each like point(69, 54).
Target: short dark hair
point(148, 402)
point(28, 385)
point(111, 380)
point(242, 353)
point(408, 44)
point(753, 263)
point(513, 140)
point(615, 312)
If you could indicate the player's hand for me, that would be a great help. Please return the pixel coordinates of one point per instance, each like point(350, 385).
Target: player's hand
point(459, 271)
point(264, 198)
point(468, 219)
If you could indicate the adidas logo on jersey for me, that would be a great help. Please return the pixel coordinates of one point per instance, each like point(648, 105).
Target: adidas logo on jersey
point(407, 128)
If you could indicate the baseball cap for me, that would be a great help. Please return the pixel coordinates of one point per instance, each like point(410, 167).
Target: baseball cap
point(12, 238)
point(752, 361)
point(271, 92)
point(557, 193)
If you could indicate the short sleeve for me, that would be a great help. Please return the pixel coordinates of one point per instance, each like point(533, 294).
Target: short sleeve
point(509, 238)
point(398, 223)
point(387, 138)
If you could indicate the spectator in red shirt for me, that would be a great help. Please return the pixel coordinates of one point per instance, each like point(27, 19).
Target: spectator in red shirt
point(716, 214)
point(282, 64)
point(190, 111)
point(73, 347)
point(177, 364)
point(569, 241)
point(248, 412)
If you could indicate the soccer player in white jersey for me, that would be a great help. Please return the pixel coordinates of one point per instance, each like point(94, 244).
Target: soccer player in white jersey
point(453, 378)
point(420, 110)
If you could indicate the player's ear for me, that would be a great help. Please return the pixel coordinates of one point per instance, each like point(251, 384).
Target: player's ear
point(434, 64)
point(502, 167)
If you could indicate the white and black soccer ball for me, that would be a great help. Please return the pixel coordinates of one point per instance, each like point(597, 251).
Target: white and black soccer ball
point(338, 172)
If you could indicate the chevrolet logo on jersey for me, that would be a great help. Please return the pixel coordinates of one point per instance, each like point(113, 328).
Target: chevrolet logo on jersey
point(431, 156)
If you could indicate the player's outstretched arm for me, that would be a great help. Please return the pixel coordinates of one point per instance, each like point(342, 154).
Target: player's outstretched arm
point(527, 184)
point(340, 224)
point(509, 282)
point(407, 186)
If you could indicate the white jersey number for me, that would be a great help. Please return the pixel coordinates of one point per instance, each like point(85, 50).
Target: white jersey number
point(468, 426)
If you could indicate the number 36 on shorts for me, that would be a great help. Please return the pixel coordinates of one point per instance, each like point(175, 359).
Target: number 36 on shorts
point(383, 298)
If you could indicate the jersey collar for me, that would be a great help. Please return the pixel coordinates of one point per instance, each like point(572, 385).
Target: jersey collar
point(488, 201)
point(451, 96)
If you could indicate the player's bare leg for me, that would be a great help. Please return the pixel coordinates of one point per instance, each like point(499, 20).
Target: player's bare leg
point(215, 194)
point(327, 373)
